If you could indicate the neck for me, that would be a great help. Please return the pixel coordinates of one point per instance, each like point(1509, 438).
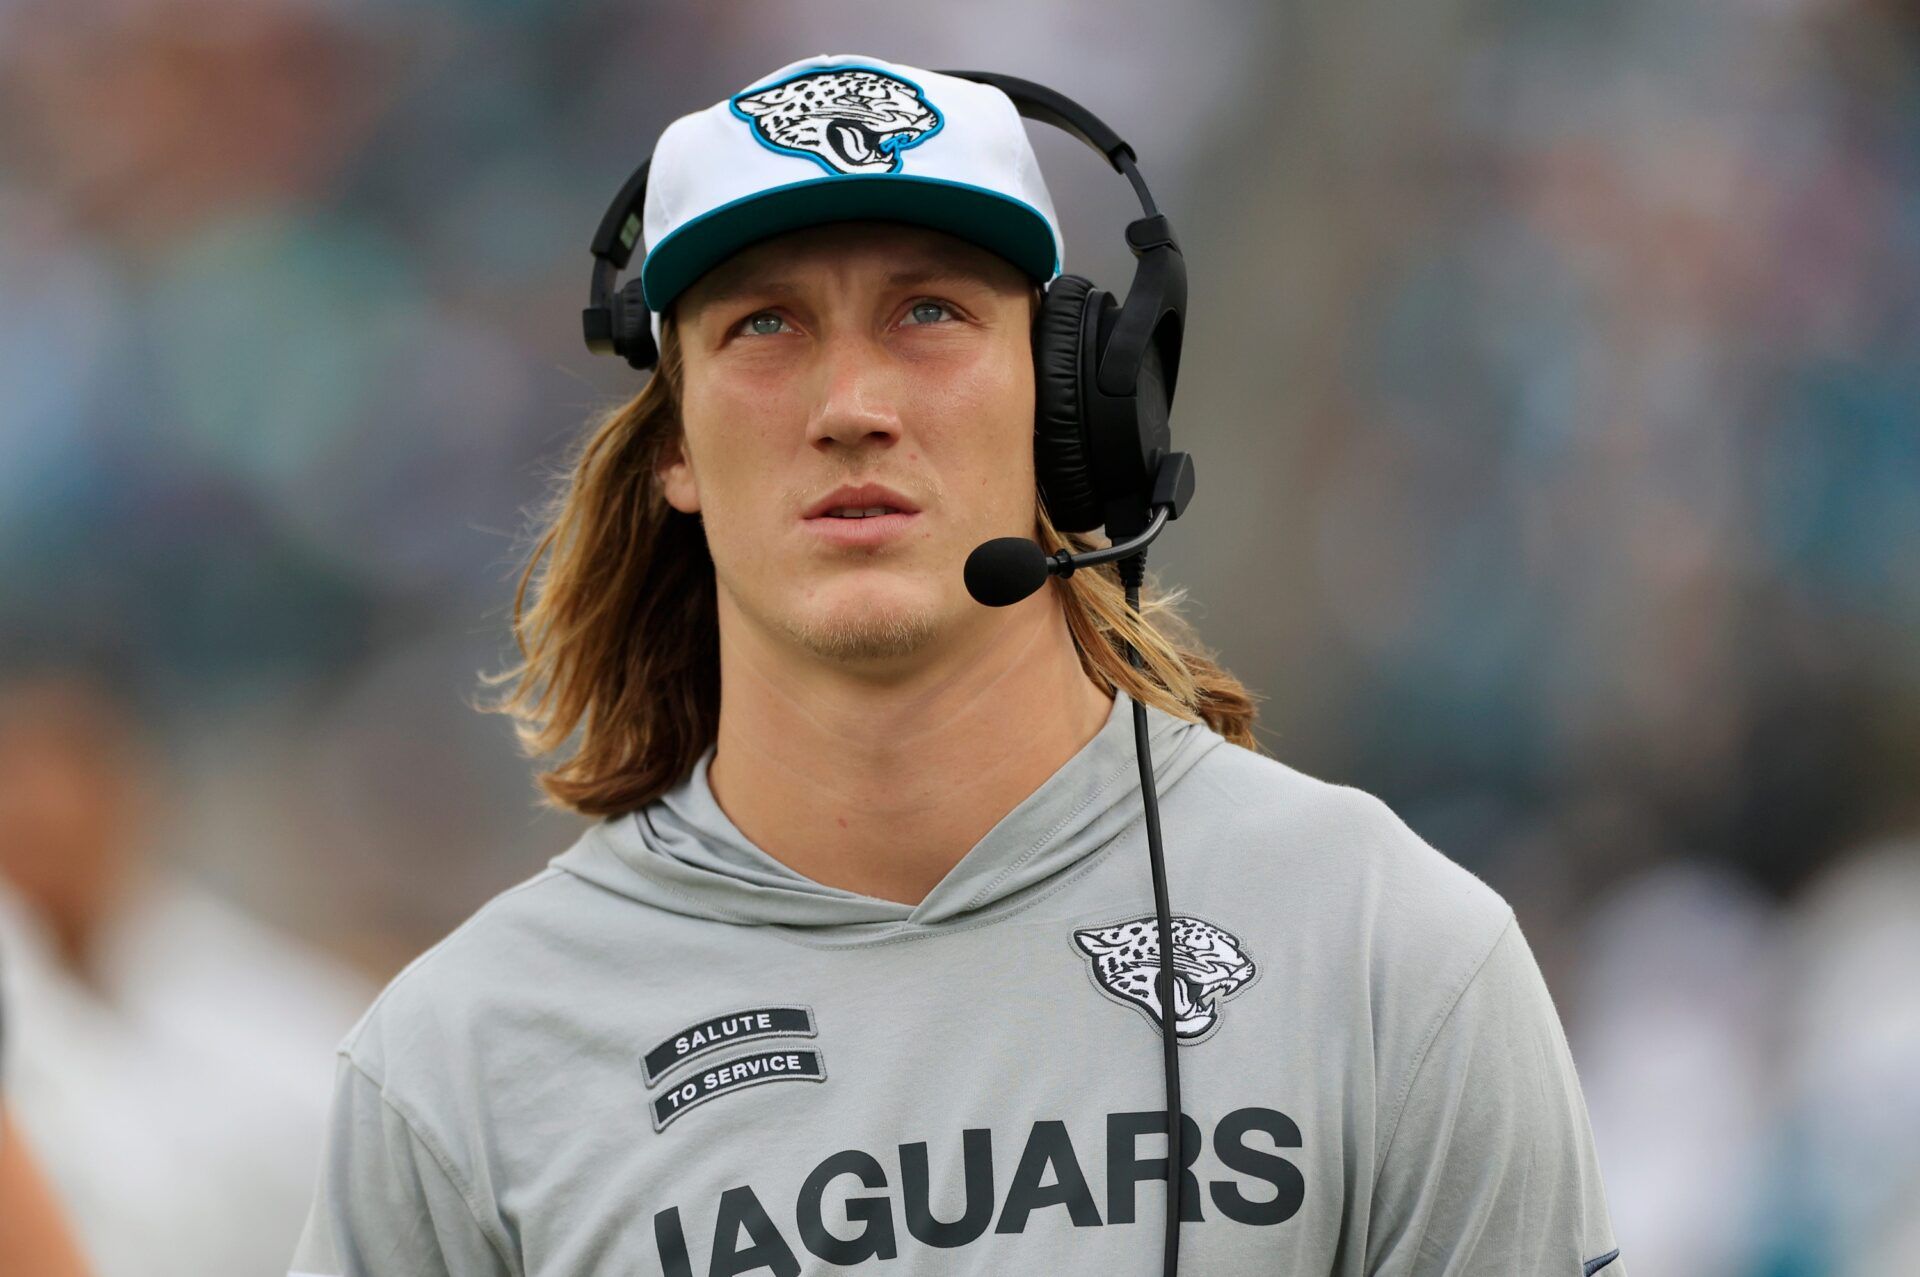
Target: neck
point(881, 786)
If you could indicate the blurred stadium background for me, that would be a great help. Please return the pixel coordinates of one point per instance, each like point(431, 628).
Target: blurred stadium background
point(1553, 385)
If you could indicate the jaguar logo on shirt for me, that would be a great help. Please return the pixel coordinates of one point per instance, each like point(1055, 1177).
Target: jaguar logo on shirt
point(1210, 965)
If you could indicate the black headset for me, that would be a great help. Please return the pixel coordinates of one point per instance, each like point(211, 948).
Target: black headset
point(1104, 371)
point(1103, 384)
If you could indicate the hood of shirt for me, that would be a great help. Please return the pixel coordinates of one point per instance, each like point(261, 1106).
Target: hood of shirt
point(683, 854)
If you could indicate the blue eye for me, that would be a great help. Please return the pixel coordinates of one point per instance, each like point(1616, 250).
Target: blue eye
point(921, 308)
point(764, 324)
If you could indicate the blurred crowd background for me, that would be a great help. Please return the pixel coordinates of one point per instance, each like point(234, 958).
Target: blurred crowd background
point(1552, 377)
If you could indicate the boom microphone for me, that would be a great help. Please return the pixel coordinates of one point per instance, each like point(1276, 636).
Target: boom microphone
point(1001, 572)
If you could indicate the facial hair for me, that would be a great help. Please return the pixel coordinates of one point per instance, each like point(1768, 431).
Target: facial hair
point(861, 636)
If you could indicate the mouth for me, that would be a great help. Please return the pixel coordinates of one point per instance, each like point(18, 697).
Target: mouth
point(855, 143)
point(855, 501)
point(867, 514)
point(861, 528)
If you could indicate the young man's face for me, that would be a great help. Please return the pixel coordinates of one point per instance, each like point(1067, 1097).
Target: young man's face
point(855, 353)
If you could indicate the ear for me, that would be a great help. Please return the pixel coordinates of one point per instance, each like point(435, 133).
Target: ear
point(676, 477)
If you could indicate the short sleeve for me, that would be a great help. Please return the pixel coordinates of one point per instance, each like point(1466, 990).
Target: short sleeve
point(385, 1202)
point(1491, 1167)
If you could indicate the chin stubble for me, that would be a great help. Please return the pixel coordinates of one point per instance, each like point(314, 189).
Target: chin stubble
point(864, 636)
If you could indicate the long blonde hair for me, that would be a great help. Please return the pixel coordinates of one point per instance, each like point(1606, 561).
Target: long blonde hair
point(621, 640)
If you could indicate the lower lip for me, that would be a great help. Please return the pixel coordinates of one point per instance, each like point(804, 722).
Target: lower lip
point(877, 530)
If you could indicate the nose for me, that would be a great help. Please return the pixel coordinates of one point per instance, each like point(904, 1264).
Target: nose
point(857, 402)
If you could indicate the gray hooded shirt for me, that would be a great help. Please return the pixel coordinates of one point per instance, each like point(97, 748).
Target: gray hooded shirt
point(670, 1054)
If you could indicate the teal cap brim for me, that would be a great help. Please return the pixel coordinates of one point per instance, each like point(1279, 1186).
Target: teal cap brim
point(999, 223)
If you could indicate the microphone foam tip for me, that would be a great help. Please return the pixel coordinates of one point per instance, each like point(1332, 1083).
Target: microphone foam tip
point(1005, 570)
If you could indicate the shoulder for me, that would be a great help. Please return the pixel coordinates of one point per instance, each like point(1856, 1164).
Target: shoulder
point(442, 1006)
point(1341, 839)
point(1348, 878)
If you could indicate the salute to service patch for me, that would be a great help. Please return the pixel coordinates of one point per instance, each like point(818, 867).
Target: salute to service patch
point(780, 1064)
point(725, 1030)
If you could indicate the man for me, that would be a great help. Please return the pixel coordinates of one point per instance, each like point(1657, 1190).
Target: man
point(857, 966)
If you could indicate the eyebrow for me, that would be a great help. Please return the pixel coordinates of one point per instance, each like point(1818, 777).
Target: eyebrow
point(943, 268)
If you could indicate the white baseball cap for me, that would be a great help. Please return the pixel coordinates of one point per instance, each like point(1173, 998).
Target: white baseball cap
point(838, 137)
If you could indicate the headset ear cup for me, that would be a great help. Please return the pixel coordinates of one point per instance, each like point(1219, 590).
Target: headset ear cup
point(633, 327)
point(1062, 447)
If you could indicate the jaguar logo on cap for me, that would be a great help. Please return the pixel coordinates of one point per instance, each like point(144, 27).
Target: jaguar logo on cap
point(848, 119)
